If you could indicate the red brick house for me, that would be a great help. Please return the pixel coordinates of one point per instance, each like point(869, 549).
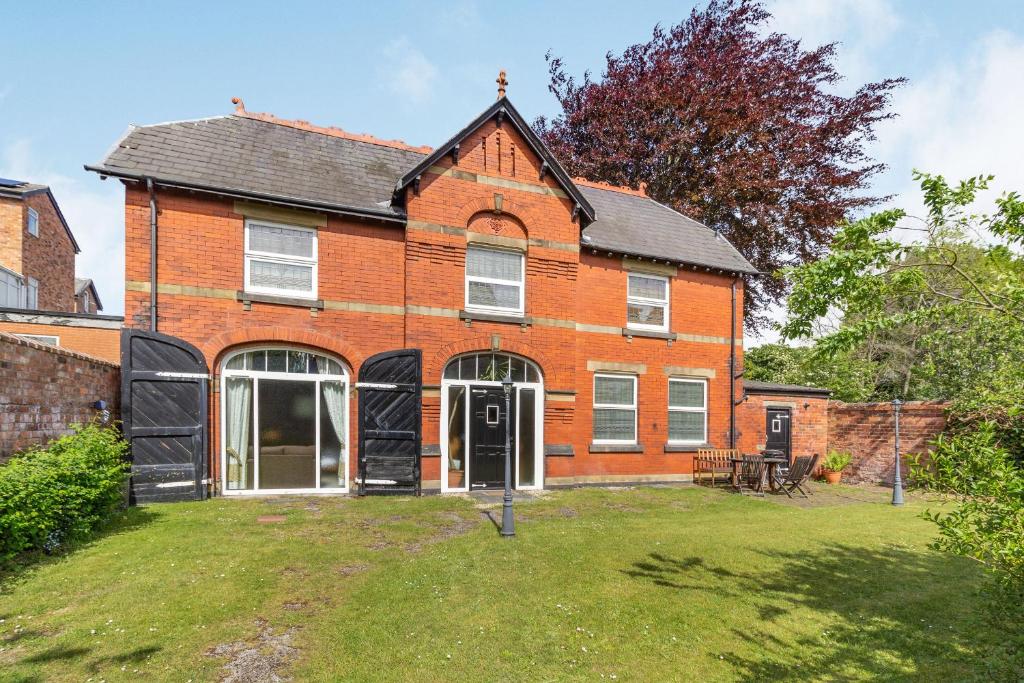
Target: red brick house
point(40, 298)
point(288, 254)
point(37, 249)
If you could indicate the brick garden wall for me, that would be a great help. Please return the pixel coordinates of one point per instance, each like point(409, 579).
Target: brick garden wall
point(867, 431)
point(43, 391)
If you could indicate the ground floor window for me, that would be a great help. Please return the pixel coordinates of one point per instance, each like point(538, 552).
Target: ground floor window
point(687, 411)
point(614, 409)
point(474, 424)
point(284, 417)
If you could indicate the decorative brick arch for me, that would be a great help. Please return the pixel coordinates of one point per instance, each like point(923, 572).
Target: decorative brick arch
point(526, 217)
point(215, 347)
point(548, 369)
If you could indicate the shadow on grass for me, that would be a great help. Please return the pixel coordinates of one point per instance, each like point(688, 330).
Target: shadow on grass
point(123, 521)
point(887, 612)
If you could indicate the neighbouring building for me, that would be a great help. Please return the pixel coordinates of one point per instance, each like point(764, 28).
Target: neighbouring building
point(289, 255)
point(40, 298)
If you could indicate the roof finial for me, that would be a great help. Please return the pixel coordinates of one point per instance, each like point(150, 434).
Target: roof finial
point(239, 105)
point(502, 82)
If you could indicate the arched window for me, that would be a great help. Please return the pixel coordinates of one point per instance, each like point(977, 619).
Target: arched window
point(491, 367)
point(284, 417)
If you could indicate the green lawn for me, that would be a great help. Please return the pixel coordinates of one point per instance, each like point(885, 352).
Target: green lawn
point(637, 584)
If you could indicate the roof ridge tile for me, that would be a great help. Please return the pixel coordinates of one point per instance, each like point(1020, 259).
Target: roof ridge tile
point(332, 131)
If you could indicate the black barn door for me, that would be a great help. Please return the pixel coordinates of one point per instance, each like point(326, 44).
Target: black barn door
point(163, 406)
point(390, 397)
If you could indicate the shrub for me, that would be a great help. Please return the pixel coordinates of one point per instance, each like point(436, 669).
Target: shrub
point(987, 524)
point(59, 493)
point(837, 461)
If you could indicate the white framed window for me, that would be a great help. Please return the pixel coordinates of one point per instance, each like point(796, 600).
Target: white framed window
point(614, 408)
point(32, 293)
point(647, 302)
point(11, 289)
point(47, 339)
point(280, 259)
point(687, 411)
point(33, 222)
point(494, 280)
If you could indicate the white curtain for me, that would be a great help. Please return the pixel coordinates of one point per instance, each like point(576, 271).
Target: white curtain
point(239, 409)
point(334, 397)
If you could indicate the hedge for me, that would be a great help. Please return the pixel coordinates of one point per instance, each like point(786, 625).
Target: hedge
point(60, 493)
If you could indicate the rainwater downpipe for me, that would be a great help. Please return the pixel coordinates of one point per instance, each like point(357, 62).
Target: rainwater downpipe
point(152, 254)
point(732, 369)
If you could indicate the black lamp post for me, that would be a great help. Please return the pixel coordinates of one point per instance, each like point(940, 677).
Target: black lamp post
point(897, 482)
point(508, 528)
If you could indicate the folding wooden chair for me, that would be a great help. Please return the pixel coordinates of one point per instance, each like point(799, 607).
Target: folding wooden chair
point(798, 474)
point(752, 473)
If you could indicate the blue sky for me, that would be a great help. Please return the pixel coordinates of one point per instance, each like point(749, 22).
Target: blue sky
point(76, 74)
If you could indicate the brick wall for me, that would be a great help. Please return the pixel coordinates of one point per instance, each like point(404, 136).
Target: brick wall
point(867, 431)
point(12, 227)
point(50, 257)
point(45, 390)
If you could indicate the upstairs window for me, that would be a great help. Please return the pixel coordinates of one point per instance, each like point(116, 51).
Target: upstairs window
point(280, 260)
point(494, 280)
point(647, 303)
point(33, 222)
point(687, 411)
point(32, 294)
point(11, 290)
point(614, 409)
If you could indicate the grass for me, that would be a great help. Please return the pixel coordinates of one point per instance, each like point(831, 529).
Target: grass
point(629, 584)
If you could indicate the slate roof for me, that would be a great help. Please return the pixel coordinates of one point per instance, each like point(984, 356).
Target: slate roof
point(636, 225)
point(83, 283)
point(243, 156)
point(260, 159)
point(775, 388)
point(21, 189)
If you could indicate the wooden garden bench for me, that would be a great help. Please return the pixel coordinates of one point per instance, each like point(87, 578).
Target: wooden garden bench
point(713, 461)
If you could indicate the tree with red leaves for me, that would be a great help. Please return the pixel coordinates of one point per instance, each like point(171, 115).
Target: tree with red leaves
point(733, 126)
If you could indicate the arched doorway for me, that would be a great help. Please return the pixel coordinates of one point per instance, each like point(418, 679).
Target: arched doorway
point(473, 422)
point(284, 422)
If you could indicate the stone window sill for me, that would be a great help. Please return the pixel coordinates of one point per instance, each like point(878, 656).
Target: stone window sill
point(470, 316)
point(248, 298)
point(616, 448)
point(648, 334)
point(684, 447)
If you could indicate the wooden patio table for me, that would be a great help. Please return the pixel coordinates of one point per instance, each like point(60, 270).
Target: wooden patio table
point(773, 463)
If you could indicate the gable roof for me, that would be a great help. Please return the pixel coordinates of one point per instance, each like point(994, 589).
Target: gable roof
point(83, 283)
point(250, 157)
point(20, 189)
point(504, 109)
point(258, 156)
point(634, 224)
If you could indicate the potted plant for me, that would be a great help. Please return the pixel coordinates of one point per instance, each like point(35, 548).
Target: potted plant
point(834, 464)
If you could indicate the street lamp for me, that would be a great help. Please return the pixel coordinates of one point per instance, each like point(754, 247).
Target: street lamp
point(508, 528)
point(897, 483)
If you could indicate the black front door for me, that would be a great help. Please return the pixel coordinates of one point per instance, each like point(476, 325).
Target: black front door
point(777, 427)
point(487, 437)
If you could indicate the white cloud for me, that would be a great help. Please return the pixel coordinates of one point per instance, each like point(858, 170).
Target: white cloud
point(95, 213)
point(407, 72)
point(859, 25)
point(960, 120)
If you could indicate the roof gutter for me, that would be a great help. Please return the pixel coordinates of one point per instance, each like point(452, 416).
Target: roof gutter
point(242, 194)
